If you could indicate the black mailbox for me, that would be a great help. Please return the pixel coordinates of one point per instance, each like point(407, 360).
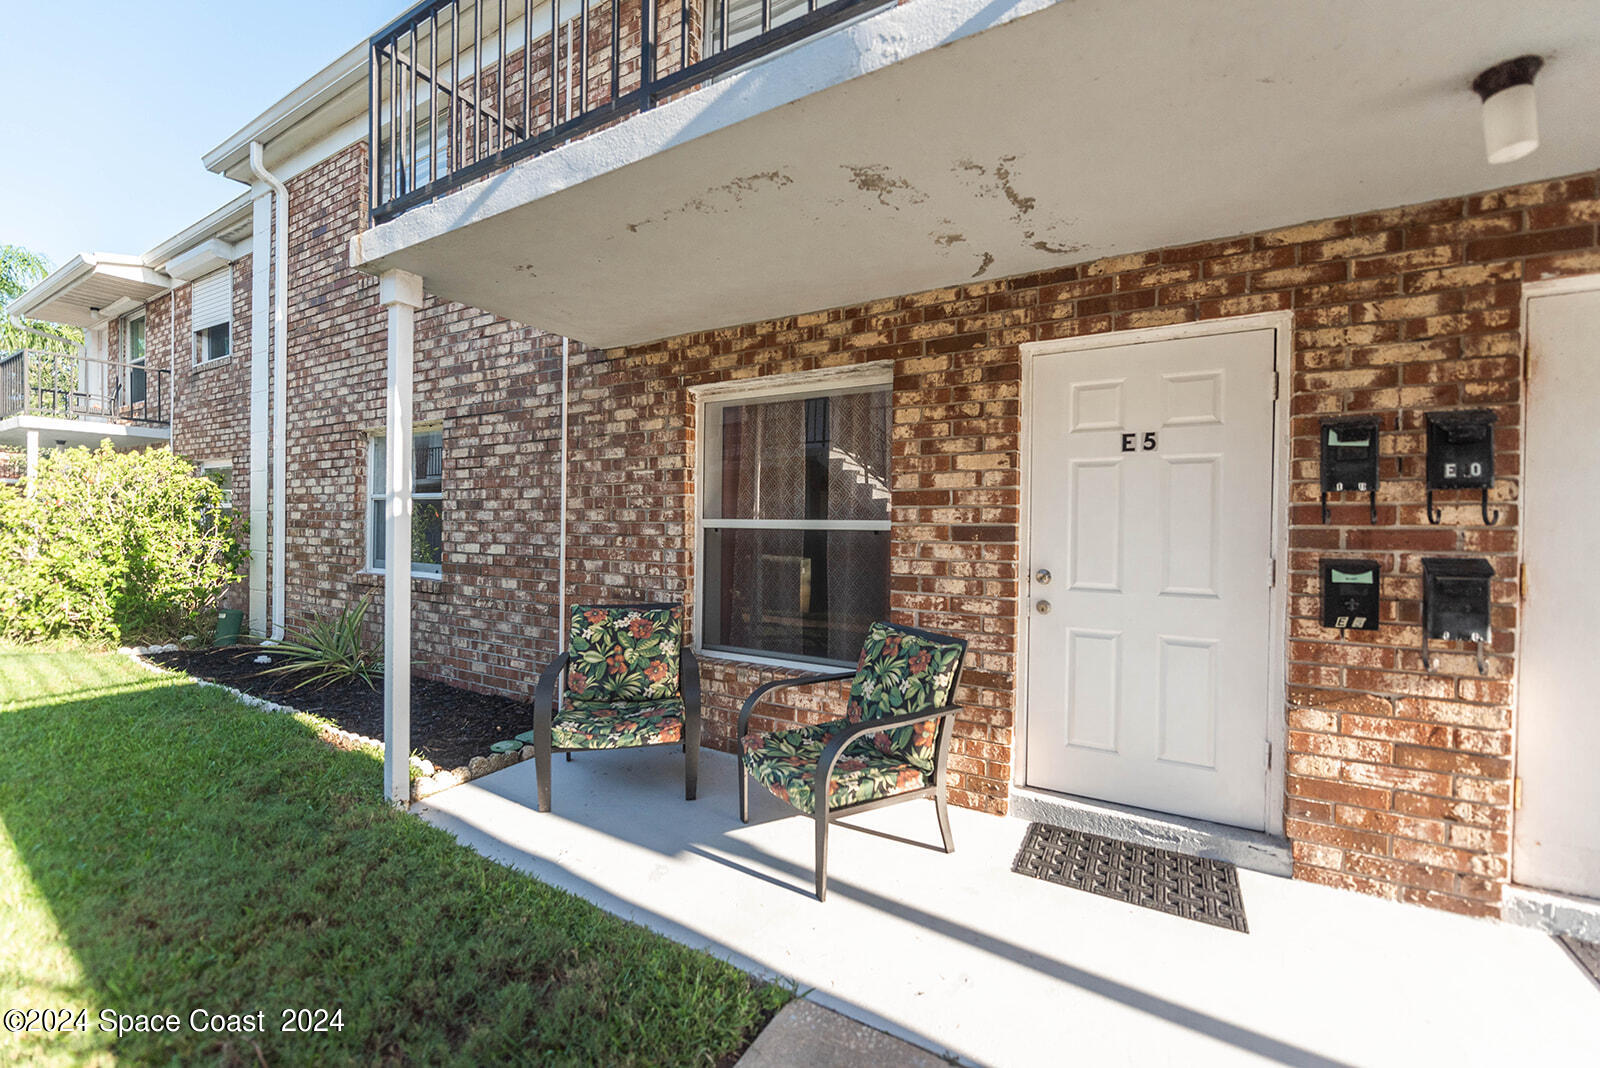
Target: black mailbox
point(1461, 456)
point(1350, 594)
point(1455, 602)
point(1350, 460)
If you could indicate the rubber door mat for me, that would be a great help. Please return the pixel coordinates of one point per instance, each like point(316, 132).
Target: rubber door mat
point(1175, 883)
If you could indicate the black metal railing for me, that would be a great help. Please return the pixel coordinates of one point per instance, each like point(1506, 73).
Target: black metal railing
point(460, 88)
point(68, 386)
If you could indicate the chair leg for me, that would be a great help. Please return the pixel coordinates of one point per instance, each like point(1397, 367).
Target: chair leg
point(569, 758)
point(744, 794)
point(691, 772)
point(822, 854)
point(941, 807)
point(541, 760)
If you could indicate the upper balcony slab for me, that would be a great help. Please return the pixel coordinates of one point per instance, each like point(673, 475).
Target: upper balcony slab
point(943, 141)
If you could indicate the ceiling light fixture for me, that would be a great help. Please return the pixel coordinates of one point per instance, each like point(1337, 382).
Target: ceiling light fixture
point(1510, 119)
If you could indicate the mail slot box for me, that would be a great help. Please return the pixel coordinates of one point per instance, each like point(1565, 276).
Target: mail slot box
point(1349, 455)
point(1455, 598)
point(1350, 590)
point(1461, 449)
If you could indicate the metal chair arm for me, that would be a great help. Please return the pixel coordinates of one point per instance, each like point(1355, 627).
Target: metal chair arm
point(544, 693)
point(689, 684)
point(839, 742)
point(778, 684)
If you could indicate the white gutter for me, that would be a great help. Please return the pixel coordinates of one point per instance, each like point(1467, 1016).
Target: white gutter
point(561, 538)
point(128, 269)
point(232, 214)
point(74, 270)
point(280, 360)
point(344, 76)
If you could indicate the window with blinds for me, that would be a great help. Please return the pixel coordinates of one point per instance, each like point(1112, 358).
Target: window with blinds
point(427, 503)
point(795, 523)
point(211, 315)
point(744, 20)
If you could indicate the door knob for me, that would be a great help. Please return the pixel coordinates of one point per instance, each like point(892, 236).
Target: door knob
point(1042, 577)
point(1043, 607)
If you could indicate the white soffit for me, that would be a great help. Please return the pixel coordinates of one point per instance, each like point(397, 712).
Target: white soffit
point(203, 259)
point(230, 224)
point(84, 290)
point(945, 141)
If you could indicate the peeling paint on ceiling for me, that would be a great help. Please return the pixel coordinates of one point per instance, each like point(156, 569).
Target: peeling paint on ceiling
point(878, 180)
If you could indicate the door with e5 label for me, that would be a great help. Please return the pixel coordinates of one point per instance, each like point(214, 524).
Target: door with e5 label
point(1150, 516)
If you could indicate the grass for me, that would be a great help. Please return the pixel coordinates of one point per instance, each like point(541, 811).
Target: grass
point(166, 849)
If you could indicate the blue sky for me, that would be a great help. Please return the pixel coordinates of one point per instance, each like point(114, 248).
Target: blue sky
point(109, 106)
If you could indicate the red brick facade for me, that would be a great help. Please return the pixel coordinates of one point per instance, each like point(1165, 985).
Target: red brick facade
point(1398, 780)
point(493, 386)
point(209, 405)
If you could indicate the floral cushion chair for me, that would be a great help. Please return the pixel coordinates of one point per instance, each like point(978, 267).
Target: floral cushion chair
point(892, 744)
point(629, 680)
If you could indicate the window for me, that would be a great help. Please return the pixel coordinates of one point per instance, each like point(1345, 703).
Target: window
point(416, 170)
point(795, 523)
point(133, 356)
point(211, 315)
point(744, 20)
point(220, 472)
point(427, 508)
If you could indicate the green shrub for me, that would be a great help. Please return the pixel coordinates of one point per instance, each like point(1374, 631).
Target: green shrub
point(113, 547)
point(331, 650)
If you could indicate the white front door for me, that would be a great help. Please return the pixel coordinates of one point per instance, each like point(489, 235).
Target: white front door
point(1150, 507)
point(1557, 840)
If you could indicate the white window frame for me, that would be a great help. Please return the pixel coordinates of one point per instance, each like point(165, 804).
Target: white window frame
point(708, 466)
point(131, 365)
point(199, 342)
point(375, 500)
point(207, 467)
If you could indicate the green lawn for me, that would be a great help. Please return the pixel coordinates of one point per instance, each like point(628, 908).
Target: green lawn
point(164, 849)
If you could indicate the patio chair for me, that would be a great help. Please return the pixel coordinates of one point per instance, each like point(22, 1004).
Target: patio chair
point(892, 745)
point(628, 680)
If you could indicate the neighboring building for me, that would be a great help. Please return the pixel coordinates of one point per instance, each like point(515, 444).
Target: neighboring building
point(1015, 322)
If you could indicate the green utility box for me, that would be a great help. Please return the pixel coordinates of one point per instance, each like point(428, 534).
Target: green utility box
point(229, 620)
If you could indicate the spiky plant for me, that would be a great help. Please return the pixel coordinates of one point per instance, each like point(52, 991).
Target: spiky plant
point(331, 650)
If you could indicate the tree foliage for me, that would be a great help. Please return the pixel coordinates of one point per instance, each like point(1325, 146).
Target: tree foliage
point(114, 547)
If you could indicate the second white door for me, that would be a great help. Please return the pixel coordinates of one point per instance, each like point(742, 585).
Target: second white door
point(1150, 514)
point(1557, 841)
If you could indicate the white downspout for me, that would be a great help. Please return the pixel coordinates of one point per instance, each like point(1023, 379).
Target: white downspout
point(172, 363)
point(561, 537)
point(280, 360)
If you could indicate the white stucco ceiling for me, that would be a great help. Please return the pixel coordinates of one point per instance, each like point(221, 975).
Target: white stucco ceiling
point(1085, 129)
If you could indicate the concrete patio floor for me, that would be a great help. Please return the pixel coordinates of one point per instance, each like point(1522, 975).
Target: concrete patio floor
point(961, 956)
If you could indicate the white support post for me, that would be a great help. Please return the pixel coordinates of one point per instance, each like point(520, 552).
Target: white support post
point(260, 401)
point(33, 459)
point(400, 293)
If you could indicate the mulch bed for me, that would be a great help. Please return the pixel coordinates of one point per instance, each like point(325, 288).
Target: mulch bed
point(449, 725)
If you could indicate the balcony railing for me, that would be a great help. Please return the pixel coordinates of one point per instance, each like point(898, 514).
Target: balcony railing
point(461, 88)
point(67, 386)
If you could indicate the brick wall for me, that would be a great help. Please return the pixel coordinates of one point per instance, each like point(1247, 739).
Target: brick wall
point(211, 403)
point(1398, 780)
point(493, 385)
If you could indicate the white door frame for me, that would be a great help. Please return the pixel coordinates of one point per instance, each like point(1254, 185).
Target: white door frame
point(1277, 626)
point(1549, 287)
